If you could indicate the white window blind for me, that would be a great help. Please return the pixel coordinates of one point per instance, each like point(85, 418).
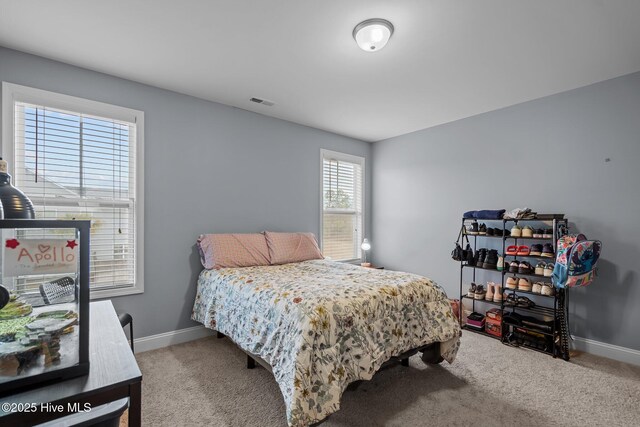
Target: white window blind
point(80, 166)
point(342, 206)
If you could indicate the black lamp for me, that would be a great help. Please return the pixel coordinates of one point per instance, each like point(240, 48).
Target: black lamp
point(15, 204)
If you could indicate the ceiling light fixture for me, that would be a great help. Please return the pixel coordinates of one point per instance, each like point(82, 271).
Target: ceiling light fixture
point(373, 34)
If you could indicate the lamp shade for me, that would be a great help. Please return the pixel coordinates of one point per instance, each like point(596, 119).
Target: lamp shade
point(15, 204)
point(365, 246)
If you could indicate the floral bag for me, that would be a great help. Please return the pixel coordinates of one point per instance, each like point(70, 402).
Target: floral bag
point(576, 261)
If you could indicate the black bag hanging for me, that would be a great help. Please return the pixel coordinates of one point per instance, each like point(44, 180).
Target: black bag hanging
point(459, 254)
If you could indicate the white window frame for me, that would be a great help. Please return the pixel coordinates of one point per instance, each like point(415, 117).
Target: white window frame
point(324, 153)
point(12, 93)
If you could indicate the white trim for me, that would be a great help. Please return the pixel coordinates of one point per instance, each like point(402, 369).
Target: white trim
point(12, 93)
point(324, 153)
point(165, 339)
point(615, 352)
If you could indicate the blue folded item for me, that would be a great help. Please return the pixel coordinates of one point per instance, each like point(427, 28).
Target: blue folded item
point(485, 214)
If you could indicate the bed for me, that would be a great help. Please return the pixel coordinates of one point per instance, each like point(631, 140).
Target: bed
point(321, 325)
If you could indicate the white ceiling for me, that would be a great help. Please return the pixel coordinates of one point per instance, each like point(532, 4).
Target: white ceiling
point(447, 59)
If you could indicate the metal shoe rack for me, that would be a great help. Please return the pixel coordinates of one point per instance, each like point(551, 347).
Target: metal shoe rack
point(545, 305)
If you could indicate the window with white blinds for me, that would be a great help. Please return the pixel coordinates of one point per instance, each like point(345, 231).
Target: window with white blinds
point(80, 162)
point(342, 205)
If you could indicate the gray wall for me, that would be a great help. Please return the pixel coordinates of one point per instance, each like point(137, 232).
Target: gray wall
point(208, 168)
point(547, 154)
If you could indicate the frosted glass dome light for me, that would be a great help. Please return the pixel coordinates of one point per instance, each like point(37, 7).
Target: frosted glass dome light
point(373, 34)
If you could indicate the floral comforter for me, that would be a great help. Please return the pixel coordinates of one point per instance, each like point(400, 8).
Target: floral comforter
point(322, 325)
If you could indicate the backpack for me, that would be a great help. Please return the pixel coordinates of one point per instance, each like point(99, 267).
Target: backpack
point(576, 259)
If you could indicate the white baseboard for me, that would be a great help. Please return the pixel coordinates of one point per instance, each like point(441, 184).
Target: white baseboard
point(621, 354)
point(166, 339)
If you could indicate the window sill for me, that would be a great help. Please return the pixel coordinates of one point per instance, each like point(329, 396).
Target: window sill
point(116, 292)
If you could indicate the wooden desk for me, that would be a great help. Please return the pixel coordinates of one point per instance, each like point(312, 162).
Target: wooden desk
point(113, 374)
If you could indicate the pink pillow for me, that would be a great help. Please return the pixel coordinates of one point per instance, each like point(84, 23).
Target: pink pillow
point(233, 250)
point(292, 247)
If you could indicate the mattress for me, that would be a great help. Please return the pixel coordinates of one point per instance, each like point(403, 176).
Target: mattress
point(322, 325)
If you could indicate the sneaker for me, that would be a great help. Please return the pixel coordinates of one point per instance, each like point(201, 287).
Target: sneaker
point(500, 265)
point(497, 293)
point(547, 250)
point(490, 231)
point(516, 231)
point(513, 267)
point(524, 268)
point(527, 231)
point(473, 228)
point(540, 268)
point(489, 294)
point(536, 288)
point(523, 250)
point(480, 292)
point(482, 230)
point(538, 233)
point(506, 233)
point(547, 234)
point(471, 293)
point(524, 285)
point(512, 250)
point(547, 289)
point(536, 250)
point(491, 260)
point(548, 270)
point(511, 283)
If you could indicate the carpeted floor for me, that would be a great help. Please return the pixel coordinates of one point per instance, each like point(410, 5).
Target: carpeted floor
point(205, 382)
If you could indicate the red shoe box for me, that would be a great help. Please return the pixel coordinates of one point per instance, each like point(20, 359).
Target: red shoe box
point(493, 323)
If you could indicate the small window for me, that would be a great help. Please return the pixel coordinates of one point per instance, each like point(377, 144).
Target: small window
point(81, 159)
point(342, 222)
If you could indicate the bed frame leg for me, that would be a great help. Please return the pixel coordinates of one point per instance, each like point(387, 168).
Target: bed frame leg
point(219, 335)
point(250, 362)
point(404, 362)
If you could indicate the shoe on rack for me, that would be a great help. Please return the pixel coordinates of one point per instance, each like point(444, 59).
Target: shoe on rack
point(510, 299)
point(548, 270)
point(500, 266)
point(547, 233)
point(490, 232)
point(537, 233)
point(511, 283)
point(524, 285)
point(516, 231)
point(536, 288)
point(536, 249)
point(512, 250)
point(547, 289)
point(482, 229)
point(513, 266)
point(497, 293)
point(527, 231)
point(480, 292)
point(489, 294)
point(524, 268)
point(506, 233)
point(491, 260)
point(547, 250)
point(471, 293)
point(482, 254)
point(525, 302)
point(540, 268)
point(473, 228)
point(523, 250)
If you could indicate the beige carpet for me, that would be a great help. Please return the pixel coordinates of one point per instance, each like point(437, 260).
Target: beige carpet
point(205, 382)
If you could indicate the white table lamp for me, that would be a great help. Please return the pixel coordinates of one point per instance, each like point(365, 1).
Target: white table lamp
point(365, 246)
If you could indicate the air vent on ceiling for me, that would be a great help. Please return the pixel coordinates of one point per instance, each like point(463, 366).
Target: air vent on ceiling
point(262, 101)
